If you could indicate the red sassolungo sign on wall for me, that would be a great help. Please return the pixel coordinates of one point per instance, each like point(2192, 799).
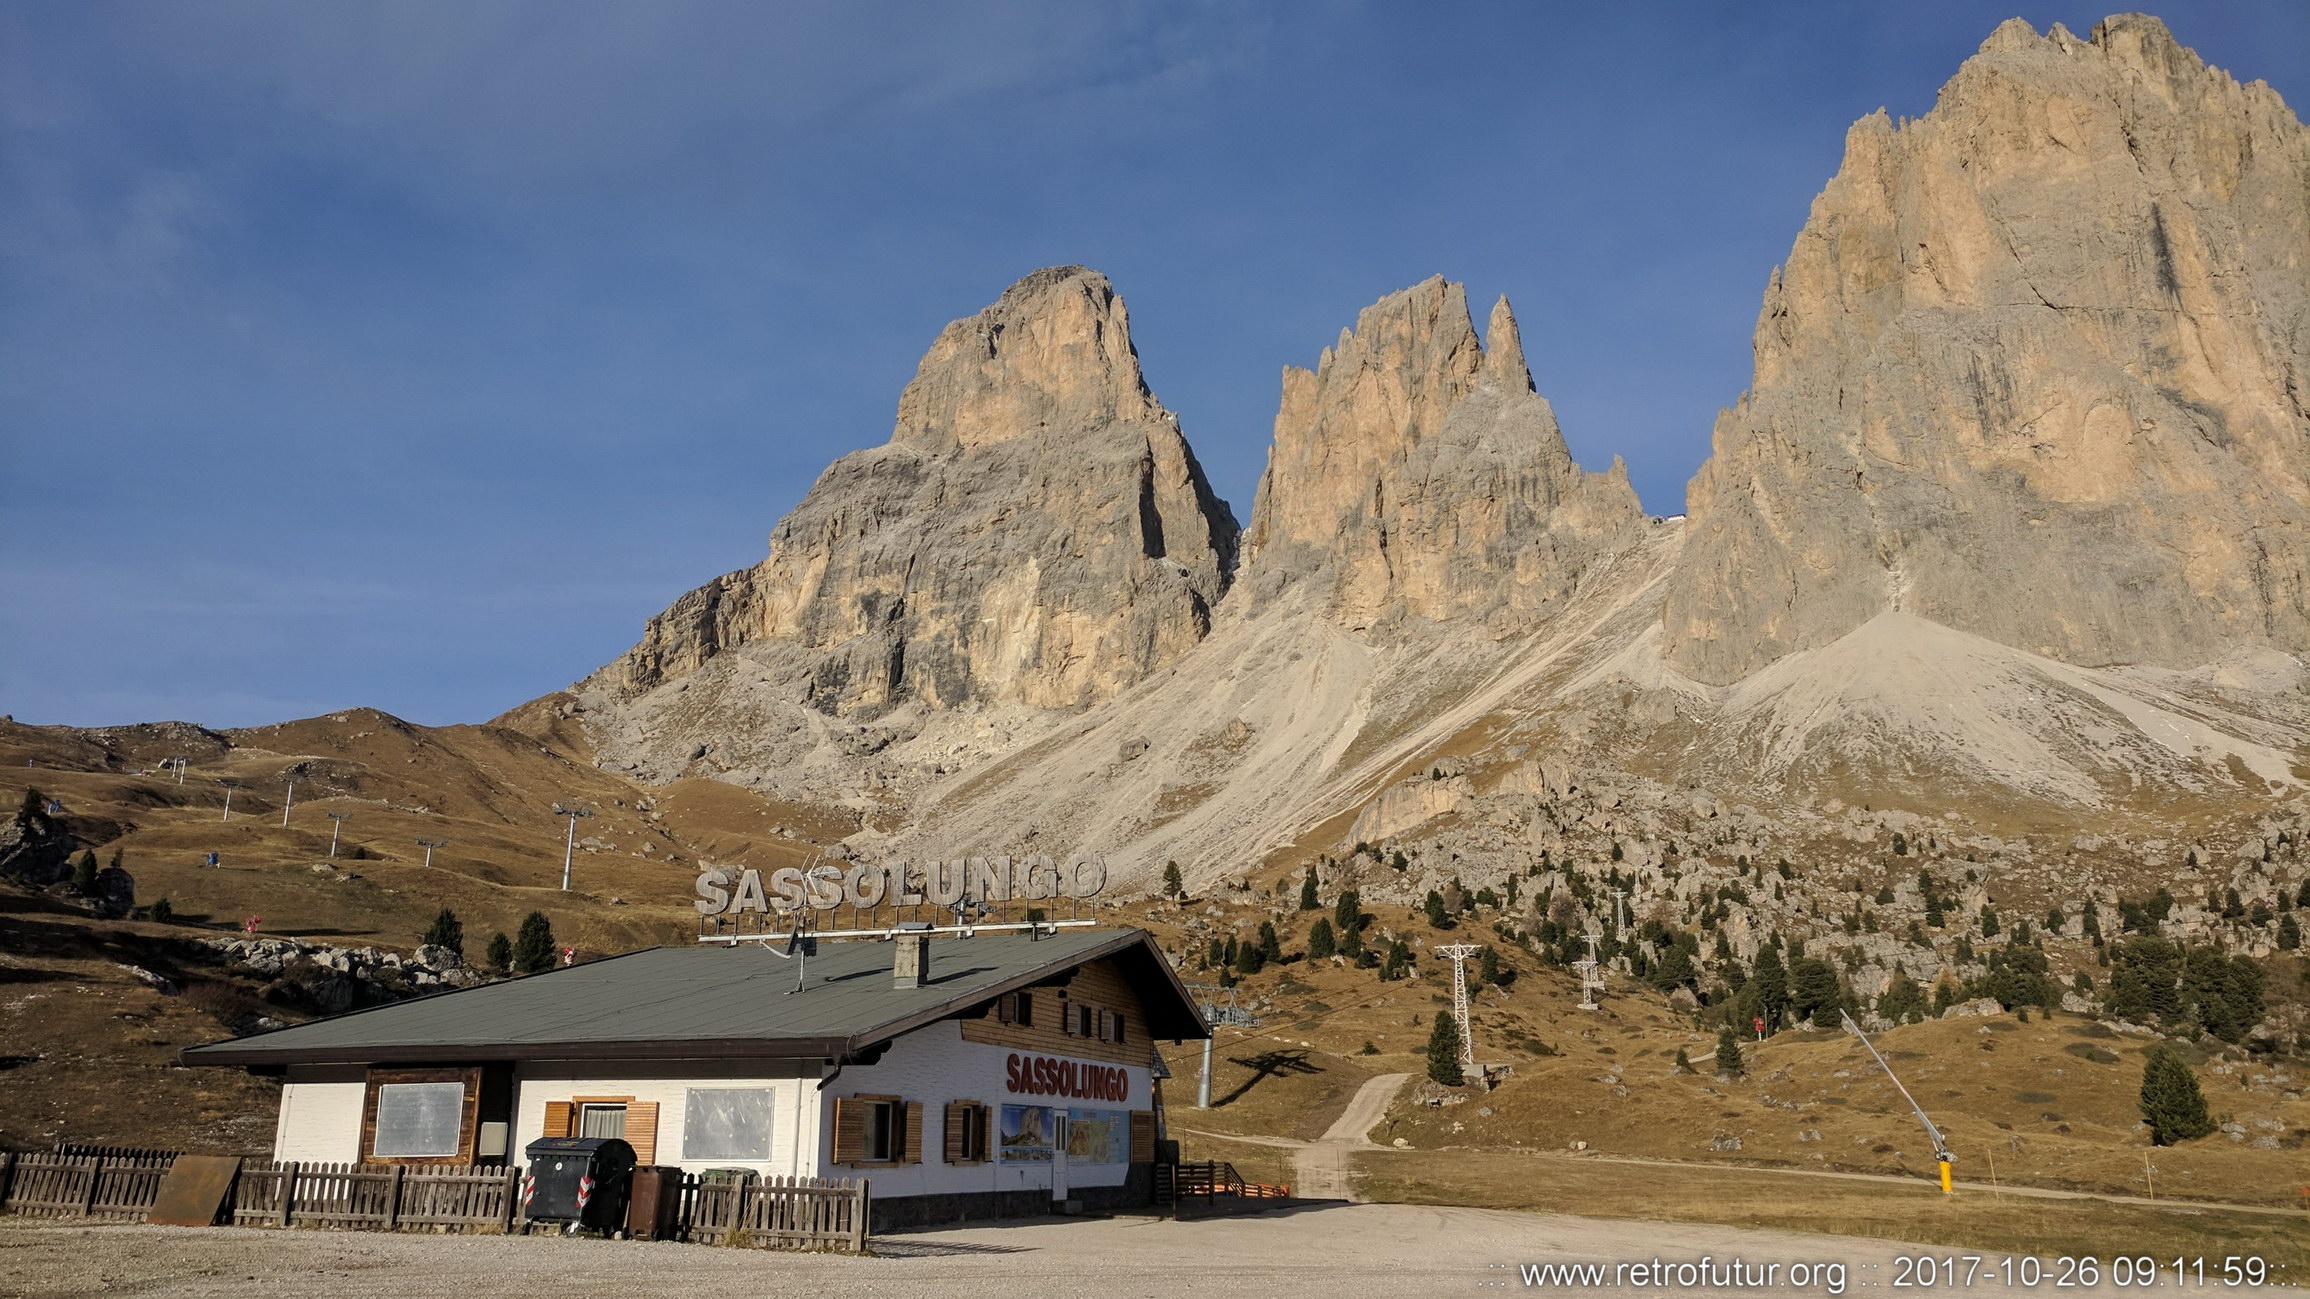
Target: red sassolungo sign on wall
point(1042, 1075)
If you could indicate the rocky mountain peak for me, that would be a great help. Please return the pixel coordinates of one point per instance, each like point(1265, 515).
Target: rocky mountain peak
point(1415, 473)
point(2034, 369)
point(1036, 533)
point(1054, 351)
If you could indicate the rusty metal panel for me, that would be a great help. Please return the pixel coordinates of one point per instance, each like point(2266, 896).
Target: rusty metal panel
point(194, 1191)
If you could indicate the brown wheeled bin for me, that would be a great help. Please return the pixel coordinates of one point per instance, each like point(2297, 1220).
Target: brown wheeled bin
point(654, 1210)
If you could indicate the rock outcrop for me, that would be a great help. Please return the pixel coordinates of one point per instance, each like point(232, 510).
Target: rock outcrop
point(2038, 369)
point(1036, 532)
point(1415, 473)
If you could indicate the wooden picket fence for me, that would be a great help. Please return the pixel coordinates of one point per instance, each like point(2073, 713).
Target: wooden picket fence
point(794, 1212)
point(377, 1197)
point(115, 1185)
point(804, 1212)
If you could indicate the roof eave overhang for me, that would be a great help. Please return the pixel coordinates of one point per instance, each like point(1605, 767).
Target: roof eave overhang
point(751, 1048)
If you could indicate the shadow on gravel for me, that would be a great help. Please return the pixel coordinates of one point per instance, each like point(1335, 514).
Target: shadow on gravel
point(902, 1247)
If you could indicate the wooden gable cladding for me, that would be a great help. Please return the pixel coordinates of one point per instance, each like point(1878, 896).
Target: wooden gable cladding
point(1055, 1019)
point(468, 1123)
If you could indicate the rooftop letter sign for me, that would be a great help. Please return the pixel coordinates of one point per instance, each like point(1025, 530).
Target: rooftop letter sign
point(867, 885)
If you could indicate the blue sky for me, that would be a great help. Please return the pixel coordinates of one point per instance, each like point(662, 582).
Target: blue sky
point(412, 355)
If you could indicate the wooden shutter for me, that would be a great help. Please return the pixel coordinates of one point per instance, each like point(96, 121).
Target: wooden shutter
point(912, 1111)
point(986, 1146)
point(957, 1149)
point(642, 1130)
point(849, 1130)
point(1142, 1136)
point(560, 1119)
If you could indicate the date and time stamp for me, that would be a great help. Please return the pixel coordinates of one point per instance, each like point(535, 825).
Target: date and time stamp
point(1924, 1272)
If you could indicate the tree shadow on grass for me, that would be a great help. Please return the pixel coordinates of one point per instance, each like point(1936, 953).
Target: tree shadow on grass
point(1266, 1065)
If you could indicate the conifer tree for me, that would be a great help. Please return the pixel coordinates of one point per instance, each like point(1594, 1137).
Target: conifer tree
point(1347, 914)
point(534, 948)
point(446, 931)
point(1307, 898)
point(84, 874)
point(1321, 942)
point(1728, 1052)
point(34, 805)
point(2171, 1102)
point(499, 953)
point(1488, 967)
point(2289, 933)
point(1173, 886)
point(1434, 906)
point(1250, 958)
point(1444, 1052)
point(1398, 964)
point(1270, 946)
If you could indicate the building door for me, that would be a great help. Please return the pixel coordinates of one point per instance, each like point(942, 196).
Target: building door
point(1059, 1164)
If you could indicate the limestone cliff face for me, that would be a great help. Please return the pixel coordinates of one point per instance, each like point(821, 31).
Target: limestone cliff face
point(2038, 368)
point(1035, 532)
point(1416, 474)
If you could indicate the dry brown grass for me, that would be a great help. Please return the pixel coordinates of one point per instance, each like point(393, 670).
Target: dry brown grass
point(1745, 1198)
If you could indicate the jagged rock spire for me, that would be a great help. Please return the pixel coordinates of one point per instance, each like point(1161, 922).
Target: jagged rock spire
point(1414, 473)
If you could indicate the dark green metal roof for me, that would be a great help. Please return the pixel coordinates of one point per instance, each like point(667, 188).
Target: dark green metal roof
point(715, 1001)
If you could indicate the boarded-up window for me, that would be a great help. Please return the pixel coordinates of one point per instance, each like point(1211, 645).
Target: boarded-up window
point(419, 1120)
point(1142, 1136)
point(725, 1123)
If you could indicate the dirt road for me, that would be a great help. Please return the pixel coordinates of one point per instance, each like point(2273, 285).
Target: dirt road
point(1325, 1168)
point(1365, 1249)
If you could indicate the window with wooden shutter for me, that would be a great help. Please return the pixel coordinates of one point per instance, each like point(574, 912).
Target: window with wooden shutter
point(955, 1135)
point(560, 1119)
point(1142, 1136)
point(913, 1144)
point(965, 1137)
point(849, 1130)
point(642, 1130)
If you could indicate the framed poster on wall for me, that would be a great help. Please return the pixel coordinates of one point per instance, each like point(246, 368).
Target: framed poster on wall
point(1026, 1134)
point(1099, 1136)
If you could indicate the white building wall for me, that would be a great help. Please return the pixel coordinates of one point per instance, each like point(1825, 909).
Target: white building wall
point(934, 1065)
point(320, 1120)
point(793, 1103)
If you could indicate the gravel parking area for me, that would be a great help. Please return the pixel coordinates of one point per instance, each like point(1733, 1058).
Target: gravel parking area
point(1344, 1250)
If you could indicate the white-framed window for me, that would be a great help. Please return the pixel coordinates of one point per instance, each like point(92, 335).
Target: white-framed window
point(601, 1120)
point(419, 1120)
point(726, 1123)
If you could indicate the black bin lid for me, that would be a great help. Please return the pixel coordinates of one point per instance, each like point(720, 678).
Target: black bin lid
point(593, 1148)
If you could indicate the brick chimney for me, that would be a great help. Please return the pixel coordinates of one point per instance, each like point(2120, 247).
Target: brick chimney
point(911, 966)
